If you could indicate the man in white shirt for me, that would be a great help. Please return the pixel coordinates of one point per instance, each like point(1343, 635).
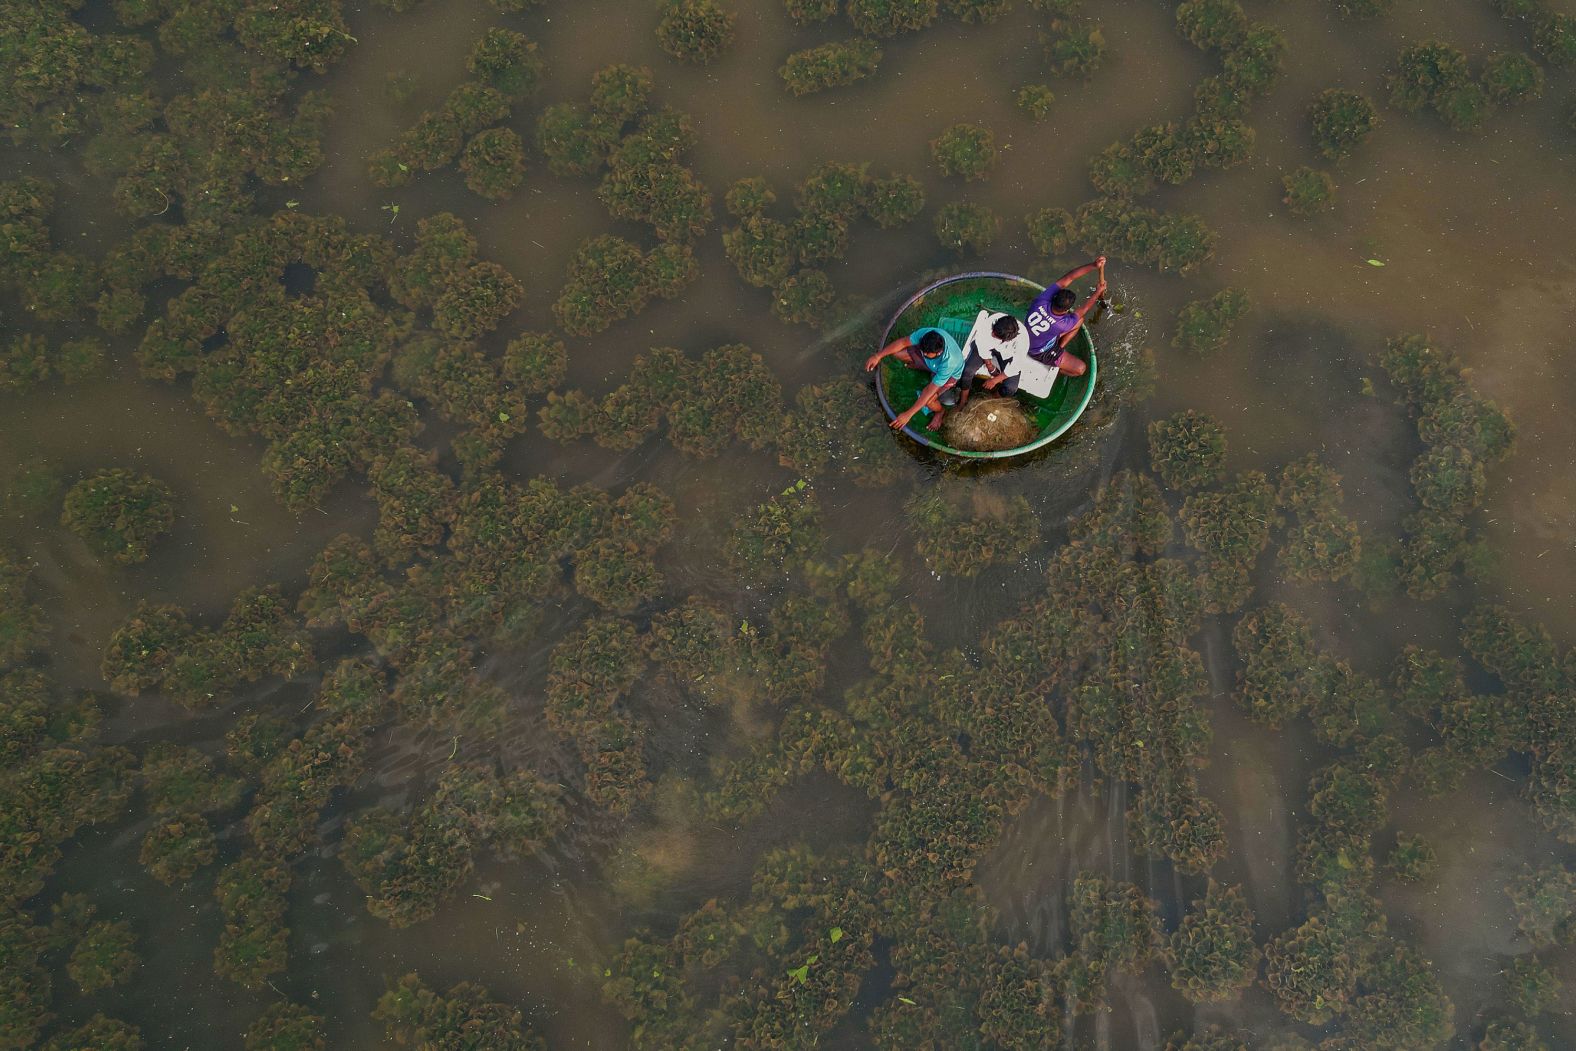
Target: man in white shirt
point(992, 351)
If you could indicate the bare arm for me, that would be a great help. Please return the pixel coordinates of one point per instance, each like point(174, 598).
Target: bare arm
point(1068, 278)
point(897, 346)
point(927, 400)
point(1088, 305)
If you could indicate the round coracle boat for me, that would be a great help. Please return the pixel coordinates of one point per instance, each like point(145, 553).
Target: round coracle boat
point(953, 304)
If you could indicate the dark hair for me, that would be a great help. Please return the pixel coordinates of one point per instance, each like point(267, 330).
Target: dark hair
point(1063, 299)
point(931, 344)
point(1004, 327)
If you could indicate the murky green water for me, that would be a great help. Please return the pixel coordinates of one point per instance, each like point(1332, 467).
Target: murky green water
point(923, 732)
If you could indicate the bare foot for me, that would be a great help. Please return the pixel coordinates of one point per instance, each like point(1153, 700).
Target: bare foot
point(935, 421)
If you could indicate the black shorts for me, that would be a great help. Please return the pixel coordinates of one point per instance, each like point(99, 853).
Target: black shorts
point(976, 361)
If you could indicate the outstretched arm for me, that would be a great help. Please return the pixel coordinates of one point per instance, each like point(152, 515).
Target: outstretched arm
point(897, 346)
point(1088, 305)
point(1088, 268)
point(926, 400)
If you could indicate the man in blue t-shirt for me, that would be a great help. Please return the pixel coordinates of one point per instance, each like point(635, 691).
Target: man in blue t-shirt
point(1052, 320)
point(929, 350)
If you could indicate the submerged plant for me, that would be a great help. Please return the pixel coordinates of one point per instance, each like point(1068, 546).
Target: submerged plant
point(119, 514)
point(1341, 121)
point(965, 227)
point(1308, 191)
point(1413, 859)
point(1204, 326)
point(1544, 900)
point(695, 30)
point(1534, 988)
point(831, 65)
point(965, 151)
point(465, 1016)
point(286, 1026)
point(1188, 450)
point(1511, 78)
point(1035, 100)
point(1212, 952)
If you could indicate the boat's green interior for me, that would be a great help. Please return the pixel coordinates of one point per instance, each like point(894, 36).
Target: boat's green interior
point(953, 308)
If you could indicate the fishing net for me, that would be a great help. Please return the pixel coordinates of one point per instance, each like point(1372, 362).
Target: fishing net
point(988, 424)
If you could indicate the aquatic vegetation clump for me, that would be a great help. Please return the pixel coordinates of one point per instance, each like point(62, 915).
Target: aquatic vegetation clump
point(1051, 231)
point(1312, 969)
point(1511, 78)
point(1230, 527)
point(410, 865)
point(1553, 32)
point(176, 847)
point(785, 256)
point(610, 279)
point(1309, 191)
point(493, 163)
point(966, 227)
point(466, 1016)
point(1035, 101)
point(1544, 900)
point(833, 65)
point(507, 61)
point(1212, 25)
point(255, 942)
point(1188, 450)
point(589, 672)
point(1204, 326)
point(119, 514)
point(98, 1033)
point(1341, 121)
point(962, 532)
point(158, 650)
point(1534, 988)
point(807, 12)
point(286, 1026)
point(1178, 242)
point(328, 420)
point(103, 954)
point(1323, 543)
point(964, 151)
point(831, 428)
point(1413, 859)
point(1074, 47)
point(695, 31)
point(1465, 434)
point(885, 18)
point(1437, 74)
point(1213, 956)
point(507, 68)
point(52, 285)
point(1501, 1034)
point(778, 537)
point(1115, 929)
point(55, 69)
point(1282, 673)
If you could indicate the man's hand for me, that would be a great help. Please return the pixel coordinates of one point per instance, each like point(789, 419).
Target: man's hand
point(901, 420)
point(872, 361)
point(1099, 290)
point(1100, 262)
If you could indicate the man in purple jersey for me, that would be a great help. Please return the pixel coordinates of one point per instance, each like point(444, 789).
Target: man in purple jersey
point(1052, 320)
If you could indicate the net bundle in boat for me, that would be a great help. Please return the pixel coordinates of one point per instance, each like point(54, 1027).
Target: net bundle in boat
point(988, 424)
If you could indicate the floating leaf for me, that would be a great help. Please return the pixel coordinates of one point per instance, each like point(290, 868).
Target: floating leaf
point(799, 974)
point(836, 934)
point(503, 417)
point(906, 1000)
point(1375, 262)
